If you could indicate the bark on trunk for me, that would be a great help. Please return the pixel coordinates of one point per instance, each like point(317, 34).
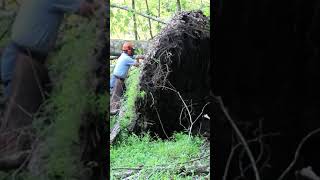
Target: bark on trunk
point(116, 44)
point(135, 28)
point(178, 6)
point(149, 21)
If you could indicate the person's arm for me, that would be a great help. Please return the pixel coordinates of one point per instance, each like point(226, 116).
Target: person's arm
point(139, 57)
point(136, 63)
point(131, 61)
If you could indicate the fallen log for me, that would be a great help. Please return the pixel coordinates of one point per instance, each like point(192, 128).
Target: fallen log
point(116, 129)
point(114, 132)
point(116, 45)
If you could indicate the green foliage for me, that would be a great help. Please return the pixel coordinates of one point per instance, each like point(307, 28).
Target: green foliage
point(5, 27)
point(69, 100)
point(152, 154)
point(121, 22)
point(3, 175)
point(102, 103)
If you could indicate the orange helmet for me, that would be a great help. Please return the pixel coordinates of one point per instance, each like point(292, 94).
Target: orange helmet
point(127, 46)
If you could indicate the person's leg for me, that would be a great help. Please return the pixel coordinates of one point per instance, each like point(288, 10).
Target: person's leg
point(112, 82)
point(8, 61)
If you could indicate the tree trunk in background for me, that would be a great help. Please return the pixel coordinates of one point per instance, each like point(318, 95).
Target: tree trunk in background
point(178, 5)
point(150, 27)
point(134, 22)
point(2, 4)
point(159, 8)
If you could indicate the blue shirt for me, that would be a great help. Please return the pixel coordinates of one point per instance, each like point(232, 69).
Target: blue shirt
point(123, 64)
point(37, 22)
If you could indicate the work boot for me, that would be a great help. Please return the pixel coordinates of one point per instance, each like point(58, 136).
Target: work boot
point(114, 112)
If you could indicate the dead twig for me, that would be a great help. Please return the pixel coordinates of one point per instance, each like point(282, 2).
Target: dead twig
point(296, 155)
point(161, 124)
point(242, 139)
point(35, 74)
point(152, 99)
point(239, 145)
point(261, 147)
point(25, 162)
point(190, 128)
point(22, 109)
point(184, 103)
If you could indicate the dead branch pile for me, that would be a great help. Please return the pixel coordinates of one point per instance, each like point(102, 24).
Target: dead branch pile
point(176, 77)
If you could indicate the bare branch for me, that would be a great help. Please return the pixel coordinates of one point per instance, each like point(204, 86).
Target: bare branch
point(242, 139)
point(134, 21)
point(297, 152)
point(184, 103)
point(149, 21)
point(237, 146)
point(141, 14)
point(161, 124)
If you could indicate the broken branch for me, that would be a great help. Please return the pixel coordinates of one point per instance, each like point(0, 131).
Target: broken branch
point(141, 14)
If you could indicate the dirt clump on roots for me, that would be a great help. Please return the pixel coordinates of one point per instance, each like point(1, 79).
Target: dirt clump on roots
point(176, 78)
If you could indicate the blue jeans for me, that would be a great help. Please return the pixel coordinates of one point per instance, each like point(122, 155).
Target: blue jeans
point(8, 62)
point(112, 82)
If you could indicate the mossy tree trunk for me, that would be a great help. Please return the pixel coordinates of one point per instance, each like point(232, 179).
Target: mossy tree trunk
point(71, 141)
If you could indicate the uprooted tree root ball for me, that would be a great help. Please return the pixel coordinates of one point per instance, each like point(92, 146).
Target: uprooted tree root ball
point(176, 78)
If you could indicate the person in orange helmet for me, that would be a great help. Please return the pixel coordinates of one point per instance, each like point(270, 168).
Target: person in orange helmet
point(124, 62)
